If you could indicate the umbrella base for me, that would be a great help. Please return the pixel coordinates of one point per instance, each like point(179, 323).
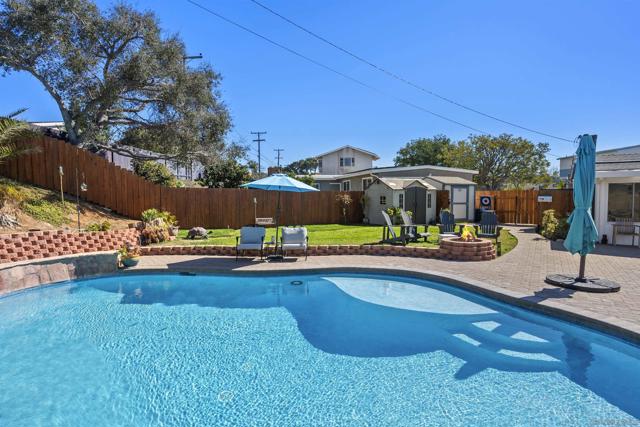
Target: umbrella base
point(587, 284)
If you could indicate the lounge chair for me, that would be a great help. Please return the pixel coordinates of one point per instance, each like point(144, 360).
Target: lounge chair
point(447, 225)
point(489, 228)
point(251, 238)
point(411, 229)
point(294, 238)
point(388, 233)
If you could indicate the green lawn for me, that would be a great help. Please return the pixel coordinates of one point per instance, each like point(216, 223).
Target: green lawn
point(326, 234)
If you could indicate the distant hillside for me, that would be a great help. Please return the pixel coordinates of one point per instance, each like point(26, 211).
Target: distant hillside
point(39, 209)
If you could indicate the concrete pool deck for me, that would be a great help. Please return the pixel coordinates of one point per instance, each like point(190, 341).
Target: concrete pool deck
point(517, 277)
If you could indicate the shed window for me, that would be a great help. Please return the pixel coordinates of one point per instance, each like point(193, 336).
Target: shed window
point(624, 202)
point(383, 200)
point(428, 200)
point(401, 201)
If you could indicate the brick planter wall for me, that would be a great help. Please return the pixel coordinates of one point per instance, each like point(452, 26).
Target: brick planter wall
point(50, 243)
point(459, 250)
point(478, 251)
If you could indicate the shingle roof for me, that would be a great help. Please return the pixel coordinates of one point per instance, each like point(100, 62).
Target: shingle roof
point(616, 162)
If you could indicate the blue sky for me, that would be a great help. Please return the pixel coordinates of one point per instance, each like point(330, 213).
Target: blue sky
point(563, 67)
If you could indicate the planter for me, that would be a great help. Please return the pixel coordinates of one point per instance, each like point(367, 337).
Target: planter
point(130, 262)
point(458, 249)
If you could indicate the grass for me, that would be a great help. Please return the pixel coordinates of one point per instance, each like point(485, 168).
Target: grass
point(39, 204)
point(327, 234)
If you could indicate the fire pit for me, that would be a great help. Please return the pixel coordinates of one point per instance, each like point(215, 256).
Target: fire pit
point(473, 249)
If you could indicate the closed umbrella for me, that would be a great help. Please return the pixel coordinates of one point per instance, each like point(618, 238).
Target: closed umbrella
point(583, 235)
point(279, 182)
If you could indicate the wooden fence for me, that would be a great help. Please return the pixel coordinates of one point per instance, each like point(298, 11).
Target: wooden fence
point(523, 207)
point(127, 194)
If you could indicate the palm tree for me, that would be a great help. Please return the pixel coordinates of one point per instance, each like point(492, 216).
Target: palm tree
point(12, 131)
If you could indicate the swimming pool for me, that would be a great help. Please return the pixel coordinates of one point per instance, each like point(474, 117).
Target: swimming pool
point(334, 349)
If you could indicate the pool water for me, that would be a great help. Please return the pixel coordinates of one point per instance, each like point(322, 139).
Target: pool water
point(333, 350)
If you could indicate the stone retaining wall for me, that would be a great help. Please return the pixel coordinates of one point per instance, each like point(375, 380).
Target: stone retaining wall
point(27, 274)
point(34, 245)
point(481, 250)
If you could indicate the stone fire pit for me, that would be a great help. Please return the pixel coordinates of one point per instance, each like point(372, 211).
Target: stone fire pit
point(457, 249)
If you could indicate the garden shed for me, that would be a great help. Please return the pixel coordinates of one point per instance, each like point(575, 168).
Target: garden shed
point(411, 194)
point(462, 194)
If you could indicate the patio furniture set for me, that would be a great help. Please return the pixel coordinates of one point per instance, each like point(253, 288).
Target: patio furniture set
point(252, 238)
point(409, 232)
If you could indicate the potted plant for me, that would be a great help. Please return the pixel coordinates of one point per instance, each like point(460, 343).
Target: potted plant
point(128, 256)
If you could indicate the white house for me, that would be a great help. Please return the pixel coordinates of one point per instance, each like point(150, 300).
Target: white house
point(617, 195)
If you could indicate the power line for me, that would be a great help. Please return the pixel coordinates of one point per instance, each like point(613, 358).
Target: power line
point(333, 70)
point(402, 79)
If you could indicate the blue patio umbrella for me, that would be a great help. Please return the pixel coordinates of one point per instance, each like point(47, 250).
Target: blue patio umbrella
point(583, 235)
point(279, 182)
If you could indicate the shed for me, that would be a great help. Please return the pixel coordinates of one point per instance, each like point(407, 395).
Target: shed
point(462, 194)
point(411, 194)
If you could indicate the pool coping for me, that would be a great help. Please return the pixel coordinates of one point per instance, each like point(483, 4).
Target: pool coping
point(611, 325)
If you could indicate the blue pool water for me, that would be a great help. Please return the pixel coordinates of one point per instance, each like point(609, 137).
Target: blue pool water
point(336, 350)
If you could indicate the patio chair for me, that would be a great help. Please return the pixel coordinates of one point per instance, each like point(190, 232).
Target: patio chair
point(294, 238)
point(251, 238)
point(626, 227)
point(447, 225)
point(489, 228)
point(411, 229)
point(388, 233)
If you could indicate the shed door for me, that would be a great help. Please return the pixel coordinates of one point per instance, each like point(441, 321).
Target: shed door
point(459, 201)
point(416, 202)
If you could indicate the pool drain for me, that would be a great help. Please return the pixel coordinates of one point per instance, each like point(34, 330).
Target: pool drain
point(296, 282)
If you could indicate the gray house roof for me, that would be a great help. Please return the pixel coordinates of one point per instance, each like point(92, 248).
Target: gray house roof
point(372, 154)
point(617, 162)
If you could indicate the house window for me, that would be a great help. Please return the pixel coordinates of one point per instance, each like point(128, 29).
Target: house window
point(624, 202)
point(366, 183)
point(428, 200)
point(383, 200)
point(320, 165)
point(346, 185)
point(347, 161)
point(401, 201)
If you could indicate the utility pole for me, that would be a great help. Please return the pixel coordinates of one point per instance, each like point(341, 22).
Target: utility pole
point(186, 58)
point(259, 140)
point(278, 156)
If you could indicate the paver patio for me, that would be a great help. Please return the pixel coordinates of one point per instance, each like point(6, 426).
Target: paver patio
point(520, 272)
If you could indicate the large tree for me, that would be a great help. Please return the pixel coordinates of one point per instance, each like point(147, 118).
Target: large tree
point(501, 161)
point(423, 151)
point(306, 166)
point(226, 173)
point(114, 76)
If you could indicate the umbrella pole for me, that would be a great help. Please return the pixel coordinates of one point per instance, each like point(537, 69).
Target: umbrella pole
point(277, 221)
point(583, 261)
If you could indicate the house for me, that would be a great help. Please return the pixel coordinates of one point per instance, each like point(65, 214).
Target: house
point(191, 171)
point(333, 175)
point(617, 193)
point(411, 194)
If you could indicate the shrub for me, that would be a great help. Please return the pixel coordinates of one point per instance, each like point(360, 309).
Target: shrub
point(155, 172)
point(153, 235)
point(552, 227)
point(97, 226)
point(150, 214)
